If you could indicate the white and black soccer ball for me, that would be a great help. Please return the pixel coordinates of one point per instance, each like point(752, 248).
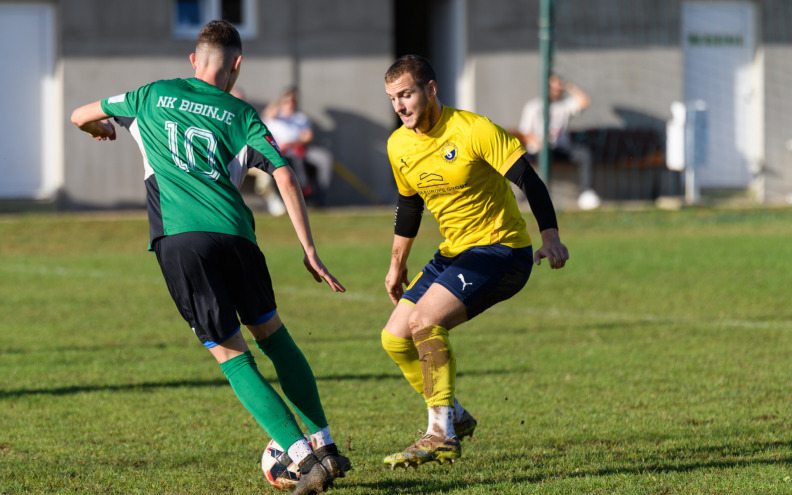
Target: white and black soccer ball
point(279, 470)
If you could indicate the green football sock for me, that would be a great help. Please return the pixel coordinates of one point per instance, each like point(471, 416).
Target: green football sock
point(261, 400)
point(295, 377)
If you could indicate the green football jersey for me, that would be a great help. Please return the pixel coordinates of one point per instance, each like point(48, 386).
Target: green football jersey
point(197, 143)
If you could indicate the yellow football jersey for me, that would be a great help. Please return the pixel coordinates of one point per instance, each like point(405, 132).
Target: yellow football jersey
point(457, 168)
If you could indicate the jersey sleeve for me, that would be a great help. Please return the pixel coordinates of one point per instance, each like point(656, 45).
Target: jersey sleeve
point(125, 104)
point(404, 188)
point(269, 156)
point(495, 146)
point(401, 183)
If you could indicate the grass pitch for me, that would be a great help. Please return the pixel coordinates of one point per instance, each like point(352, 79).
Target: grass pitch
point(656, 362)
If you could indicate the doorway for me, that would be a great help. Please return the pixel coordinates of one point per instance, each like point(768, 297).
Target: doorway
point(719, 40)
point(437, 30)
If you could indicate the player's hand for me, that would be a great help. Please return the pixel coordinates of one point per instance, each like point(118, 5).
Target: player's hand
point(320, 273)
point(103, 130)
point(552, 249)
point(395, 282)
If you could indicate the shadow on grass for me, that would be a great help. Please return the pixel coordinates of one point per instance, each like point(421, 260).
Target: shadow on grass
point(77, 389)
point(219, 382)
point(736, 456)
point(57, 350)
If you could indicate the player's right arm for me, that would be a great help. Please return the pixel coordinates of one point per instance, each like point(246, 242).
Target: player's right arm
point(289, 188)
point(407, 220)
point(91, 118)
point(396, 280)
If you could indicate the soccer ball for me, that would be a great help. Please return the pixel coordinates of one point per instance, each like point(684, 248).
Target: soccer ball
point(279, 470)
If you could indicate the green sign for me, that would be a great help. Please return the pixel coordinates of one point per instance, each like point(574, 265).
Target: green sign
point(714, 39)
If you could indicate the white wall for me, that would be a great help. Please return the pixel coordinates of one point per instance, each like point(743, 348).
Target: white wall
point(30, 121)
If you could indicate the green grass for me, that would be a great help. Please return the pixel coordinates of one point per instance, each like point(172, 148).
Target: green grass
point(656, 362)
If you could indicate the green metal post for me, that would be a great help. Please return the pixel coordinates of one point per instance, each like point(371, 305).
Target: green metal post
point(546, 49)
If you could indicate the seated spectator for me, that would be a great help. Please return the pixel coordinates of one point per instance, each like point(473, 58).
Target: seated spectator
point(265, 184)
point(294, 134)
point(566, 101)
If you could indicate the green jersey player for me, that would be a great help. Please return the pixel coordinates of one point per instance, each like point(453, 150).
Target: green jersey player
point(198, 142)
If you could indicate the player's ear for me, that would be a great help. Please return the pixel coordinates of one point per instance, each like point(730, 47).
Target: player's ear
point(431, 88)
point(192, 60)
point(233, 75)
point(236, 64)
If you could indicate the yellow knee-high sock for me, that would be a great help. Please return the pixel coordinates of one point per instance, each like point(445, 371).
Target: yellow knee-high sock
point(438, 365)
point(404, 353)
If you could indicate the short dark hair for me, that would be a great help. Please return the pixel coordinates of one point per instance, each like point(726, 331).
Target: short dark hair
point(419, 67)
point(220, 34)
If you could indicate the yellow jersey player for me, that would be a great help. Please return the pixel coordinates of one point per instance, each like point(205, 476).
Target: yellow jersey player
point(459, 165)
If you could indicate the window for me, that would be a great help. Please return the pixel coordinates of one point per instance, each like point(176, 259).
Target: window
point(190, 15)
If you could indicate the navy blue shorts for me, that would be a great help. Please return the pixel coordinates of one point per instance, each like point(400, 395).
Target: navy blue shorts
point(212, 278)
point(479, 277)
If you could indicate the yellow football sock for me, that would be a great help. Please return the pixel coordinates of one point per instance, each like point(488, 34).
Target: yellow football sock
point(405, 354)
point(438, 365)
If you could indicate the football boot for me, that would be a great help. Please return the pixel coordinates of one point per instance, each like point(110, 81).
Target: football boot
point(429, 448)
point(314, 477)
point(335, 463)
point(464, 426)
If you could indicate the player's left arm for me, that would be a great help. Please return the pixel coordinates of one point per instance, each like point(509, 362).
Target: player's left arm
point(496, 146)
point(523, 175)
point(92, 119)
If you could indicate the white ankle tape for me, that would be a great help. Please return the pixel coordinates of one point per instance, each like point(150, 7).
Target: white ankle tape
point(321, 438)
point(299, 450)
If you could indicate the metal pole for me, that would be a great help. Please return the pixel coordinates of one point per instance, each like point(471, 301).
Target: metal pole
point(546, 49)
point(695, 148)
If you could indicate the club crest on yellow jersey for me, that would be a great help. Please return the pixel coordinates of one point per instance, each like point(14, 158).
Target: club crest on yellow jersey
point(449, 151)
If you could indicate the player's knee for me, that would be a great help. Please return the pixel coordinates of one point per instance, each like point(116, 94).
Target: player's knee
point(264, 328)
point(397, 347)
point(389, 342)
point(417, 324)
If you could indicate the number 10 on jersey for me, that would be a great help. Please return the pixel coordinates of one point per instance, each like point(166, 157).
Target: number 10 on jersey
point(193, 136)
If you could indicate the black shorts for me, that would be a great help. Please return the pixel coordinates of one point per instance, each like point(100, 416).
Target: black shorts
point(480, 276)
point(212, 278)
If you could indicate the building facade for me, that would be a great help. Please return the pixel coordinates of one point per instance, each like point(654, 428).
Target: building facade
point(635, 58)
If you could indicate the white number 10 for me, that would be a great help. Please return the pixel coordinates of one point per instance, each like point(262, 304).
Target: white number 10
point(190, 135)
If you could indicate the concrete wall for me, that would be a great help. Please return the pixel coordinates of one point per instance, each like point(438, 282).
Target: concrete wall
point(630, 62)
point(632, 74)
point(776, 20)
point(624, 53)
point(631, 77)
point(335, 52)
